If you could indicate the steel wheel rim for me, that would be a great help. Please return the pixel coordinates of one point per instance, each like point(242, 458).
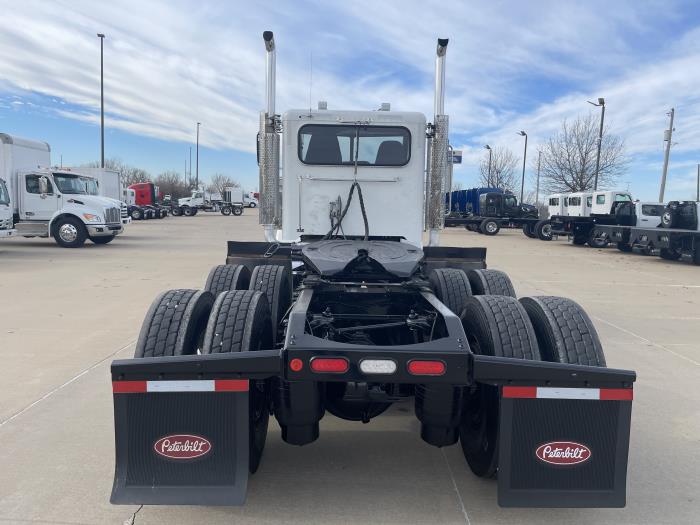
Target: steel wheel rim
point(491, 227)
point(547, 230)
point(67, 232)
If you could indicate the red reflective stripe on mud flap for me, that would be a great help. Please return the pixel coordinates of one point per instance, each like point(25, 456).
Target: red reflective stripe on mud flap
point(231, 385)
point(128, 387)
point(524, 392)
point(616, 394)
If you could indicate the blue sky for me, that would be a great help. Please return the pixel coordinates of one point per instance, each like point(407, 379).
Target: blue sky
point(510, 66)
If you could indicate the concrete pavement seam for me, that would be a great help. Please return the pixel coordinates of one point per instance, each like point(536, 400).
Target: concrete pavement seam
point(454, 485)
point(61, 387)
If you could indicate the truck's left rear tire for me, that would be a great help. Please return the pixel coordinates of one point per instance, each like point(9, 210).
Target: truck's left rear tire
point(565, 333)
point(174, 324)
point(489, 227)
point(490, 282)
point(543, 229)
point(240, 322)
point(496, 326)
point(529, 230)
point(451, 286)
point(273, 281)
point(225, 277)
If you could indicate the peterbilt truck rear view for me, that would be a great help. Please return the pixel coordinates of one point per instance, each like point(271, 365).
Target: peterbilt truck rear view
point(342, 310)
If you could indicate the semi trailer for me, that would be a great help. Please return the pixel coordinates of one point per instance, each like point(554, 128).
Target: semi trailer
point(52, 202)
point(343, 310)
point(676, 235)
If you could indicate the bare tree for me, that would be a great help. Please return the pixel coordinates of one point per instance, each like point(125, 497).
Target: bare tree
point(457, 186)
point(171, 183)
point(503, 169)
point(220, 181)
point(569, 157)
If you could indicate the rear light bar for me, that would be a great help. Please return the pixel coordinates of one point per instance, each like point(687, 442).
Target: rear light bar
point(418, 367)
point(329, 365)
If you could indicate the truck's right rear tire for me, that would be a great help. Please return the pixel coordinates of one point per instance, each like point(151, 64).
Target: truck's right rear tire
point(174, 324)
point(69, 232)
point(451, 286)
point(240, 322)
point(490, 282)
point(496, 326)
point(225, 277)
point(273, 281)
point(565, 333)
point(543, 229)
point(136, 214)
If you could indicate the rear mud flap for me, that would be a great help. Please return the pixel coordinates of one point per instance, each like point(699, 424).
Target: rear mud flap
point(181, 442)
point(563, 447)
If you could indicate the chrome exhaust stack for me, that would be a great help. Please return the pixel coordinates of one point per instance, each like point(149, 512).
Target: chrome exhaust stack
point(438, 167)
point(269, 149)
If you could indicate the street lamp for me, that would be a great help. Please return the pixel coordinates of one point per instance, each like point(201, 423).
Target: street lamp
point(488, 177)
point(601, 104)
point(197, 161)
point(102, 101)
point(522, 182)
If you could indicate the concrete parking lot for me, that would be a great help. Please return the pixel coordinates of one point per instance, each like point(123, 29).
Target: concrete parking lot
point(65, 314)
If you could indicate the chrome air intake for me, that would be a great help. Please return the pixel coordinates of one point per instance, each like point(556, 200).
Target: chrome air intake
point(269, 149)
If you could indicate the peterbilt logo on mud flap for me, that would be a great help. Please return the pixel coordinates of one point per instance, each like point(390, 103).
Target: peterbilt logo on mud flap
point(182, 446)
point(563, 453)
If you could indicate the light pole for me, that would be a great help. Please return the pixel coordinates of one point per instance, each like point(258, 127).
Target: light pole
point(102, 101)
point(196, 186)
point(537, 190)
point(488, 176)
point(601, 104)
point(522, 182)
point(697, 191)
point(189, 173)
point(667, 137)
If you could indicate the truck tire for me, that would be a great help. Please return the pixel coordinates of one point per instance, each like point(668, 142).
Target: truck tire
point(496, 326)
point(696, 253)
point(624, 247)
point(451, 286)
point(194, 211)
point(595, 241)
point(174, 324)
point(225, 277)
point(240, 322)
point(237, 211)
point(543, 230)
point(273, 281)
point(490, 282)
point(69, 232)
point(472, 227)
point(137, 214)
point(565, 333)
point(176, 211)
point(578, 240)
point(187, 211)
point(529, 230)
point(252, 205)
point(670, 254)
point(226, 210)
point(103, 240)
point(489, 227)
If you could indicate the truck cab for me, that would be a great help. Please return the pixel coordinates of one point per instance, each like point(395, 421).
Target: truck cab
point(605, 202)
point(579, 204)
point(557, 204)
point(495, 204)
point(6, 222)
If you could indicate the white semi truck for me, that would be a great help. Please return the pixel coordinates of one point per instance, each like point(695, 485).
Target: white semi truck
point(53, 202)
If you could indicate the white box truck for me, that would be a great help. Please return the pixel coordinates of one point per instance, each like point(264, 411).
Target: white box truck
point(53, 202)
point(6, 221)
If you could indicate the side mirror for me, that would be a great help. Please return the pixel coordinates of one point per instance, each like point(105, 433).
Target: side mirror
point(43, 185)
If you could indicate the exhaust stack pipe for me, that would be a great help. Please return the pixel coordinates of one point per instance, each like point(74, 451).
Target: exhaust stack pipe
point(438, 167)
point(269, 149)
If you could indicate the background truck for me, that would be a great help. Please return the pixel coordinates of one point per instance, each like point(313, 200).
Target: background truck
point(143, 202)
point(495, 210)
point(462, 203)
point(673, 231)
point(105, 183)
point(52, 202)
point(6, 221)
point(343, 310)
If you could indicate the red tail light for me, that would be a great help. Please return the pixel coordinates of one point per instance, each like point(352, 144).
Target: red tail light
point(426, 368)
point(330, 365)
point(296, 364)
